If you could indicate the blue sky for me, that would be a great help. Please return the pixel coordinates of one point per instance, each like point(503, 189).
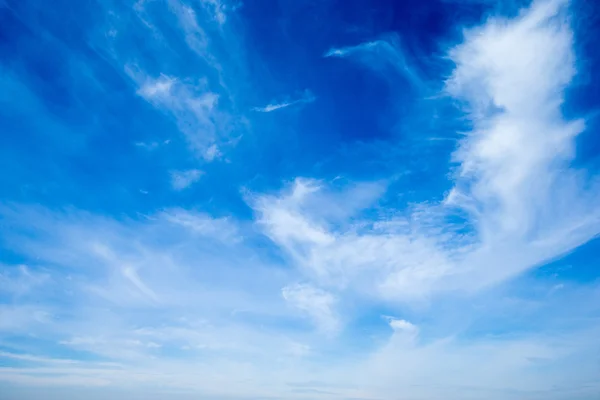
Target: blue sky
point(299, 199)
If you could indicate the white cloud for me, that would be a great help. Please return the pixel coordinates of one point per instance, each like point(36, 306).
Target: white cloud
point(184, 179)
point(327, 239)
point(496, 366)
point(217, 9)
point(156, 89)
point(525, 204)
point(195, 36)
point(193, 107)
point(129, 289)
point(515, 177)
point(131, 274)
point(28, 357)
point(212, 152)
point(22, 317)
point(271, 107)
point(20, 280)
point(400, 325)
point(383, 56)
point(201, 107)
point(200, 283)
point(308, 97)
point(223, 229)
point(150, 146)
point(316, 303)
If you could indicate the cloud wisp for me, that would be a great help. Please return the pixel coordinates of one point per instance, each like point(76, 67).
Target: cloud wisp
point(384, 56)
point(184, 179)
point(200, 104)
point(306, 98)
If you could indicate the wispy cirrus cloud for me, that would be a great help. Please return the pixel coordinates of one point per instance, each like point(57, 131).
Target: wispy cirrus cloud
point(181, 180)
point(193, 107)
point(136, 339)
point(218, 9)
point(200, 104)
point(316, 303)
point(381, 55)
point(306, 98)
point(20, 280)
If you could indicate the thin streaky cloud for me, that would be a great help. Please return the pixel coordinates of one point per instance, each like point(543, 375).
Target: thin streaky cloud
point(307, 98)
point(347, 50)
point(272, 107)
point(382, 55)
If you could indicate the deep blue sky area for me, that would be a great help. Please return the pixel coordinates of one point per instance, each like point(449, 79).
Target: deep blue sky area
point(90, 104)
point(299, 199)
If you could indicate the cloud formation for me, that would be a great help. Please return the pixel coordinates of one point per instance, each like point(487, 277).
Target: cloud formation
point(518, 200)
point(201, 106)
point(317, 303)
point(381, 55)
point(183, 179)
point(221, 281)
point(306, 98)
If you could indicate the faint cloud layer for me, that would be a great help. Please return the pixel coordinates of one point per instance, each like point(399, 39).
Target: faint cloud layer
point(306, 98)
point(317, 303)
point(183, 179)
point(384, 56)
point(193, 108)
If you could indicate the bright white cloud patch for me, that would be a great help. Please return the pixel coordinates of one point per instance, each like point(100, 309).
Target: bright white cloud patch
point(183, 179)
point(515, 178)
point(400, 325)
point(193, 107)
point(308, 97)
point(316, 303)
